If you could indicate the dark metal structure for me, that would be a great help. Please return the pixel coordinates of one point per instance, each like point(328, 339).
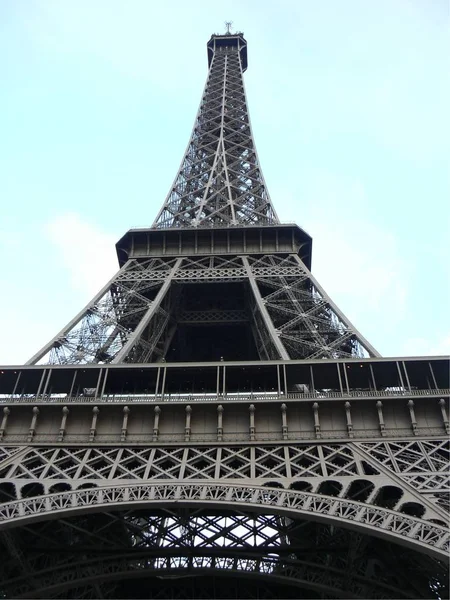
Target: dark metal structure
point(211, 425)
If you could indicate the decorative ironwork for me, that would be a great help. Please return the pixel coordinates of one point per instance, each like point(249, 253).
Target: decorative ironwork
point(269, 449)
point(220, 179)
point(133, 317)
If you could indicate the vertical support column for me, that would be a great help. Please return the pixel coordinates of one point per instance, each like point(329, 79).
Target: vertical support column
point(381, 418)
point(443, 412)
point(157, 412)
point(412, 415)
point(284, 425)
point(95, 412)
point(219, 423)
point(252, 429)
point(316, 420)
point(349, 419)
point(62, 427)
point(6, 413)
point(126, 413)
point(32, 429)
point(187, 428)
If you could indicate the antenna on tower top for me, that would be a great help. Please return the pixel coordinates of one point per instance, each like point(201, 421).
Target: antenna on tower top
point(228, 25)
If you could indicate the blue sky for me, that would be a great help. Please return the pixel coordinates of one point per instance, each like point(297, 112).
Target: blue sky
point(348, 101)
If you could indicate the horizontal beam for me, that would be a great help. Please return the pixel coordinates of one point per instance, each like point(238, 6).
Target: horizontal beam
point(365, 377)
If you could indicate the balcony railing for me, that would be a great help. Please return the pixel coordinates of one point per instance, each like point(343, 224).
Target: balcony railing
point(209, 398)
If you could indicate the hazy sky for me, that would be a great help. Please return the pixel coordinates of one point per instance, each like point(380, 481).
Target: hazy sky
point(349, 103)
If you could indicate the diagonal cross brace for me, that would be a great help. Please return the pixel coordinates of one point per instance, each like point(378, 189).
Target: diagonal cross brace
point(134, 337)
point(263, 310)
point(64, 331)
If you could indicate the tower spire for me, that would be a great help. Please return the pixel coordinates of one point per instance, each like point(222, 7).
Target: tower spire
point(220, 182)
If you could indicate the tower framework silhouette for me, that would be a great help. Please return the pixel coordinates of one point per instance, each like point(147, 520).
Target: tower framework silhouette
point(211, 425)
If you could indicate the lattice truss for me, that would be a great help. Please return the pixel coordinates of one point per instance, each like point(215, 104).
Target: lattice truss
point(220, 181)
point(418, 470)
point(305, 319)
point(124, 321)
point(97, 550)
point(368, 480)
point(134, 318)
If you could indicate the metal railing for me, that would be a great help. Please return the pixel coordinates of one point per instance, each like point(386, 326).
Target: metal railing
point(208, 398)
point(218, 226)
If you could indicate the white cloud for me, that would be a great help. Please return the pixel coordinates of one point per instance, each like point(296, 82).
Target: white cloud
point(86, 251)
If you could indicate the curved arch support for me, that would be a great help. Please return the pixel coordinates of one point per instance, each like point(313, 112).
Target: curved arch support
point(295, 573)
point(426, 537)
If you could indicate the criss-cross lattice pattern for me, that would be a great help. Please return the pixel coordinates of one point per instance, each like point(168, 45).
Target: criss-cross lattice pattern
point(424, 465)
point(134, 318)
point(220, 181)
point(125, 321)
point(307, 322)
point(179, 542)
point(356, 471)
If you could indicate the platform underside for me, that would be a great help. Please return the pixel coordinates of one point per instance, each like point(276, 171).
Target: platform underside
point(198, 552)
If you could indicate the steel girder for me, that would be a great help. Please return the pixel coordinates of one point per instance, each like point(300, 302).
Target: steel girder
point(415, 471)
point(96, 515)
point(131, 319)
point(219, 181)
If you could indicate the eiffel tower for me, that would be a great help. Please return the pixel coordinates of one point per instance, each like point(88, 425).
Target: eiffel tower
point(211, 425)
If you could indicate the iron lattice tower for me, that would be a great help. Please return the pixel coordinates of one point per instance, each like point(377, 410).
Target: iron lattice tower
point(211, 424)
